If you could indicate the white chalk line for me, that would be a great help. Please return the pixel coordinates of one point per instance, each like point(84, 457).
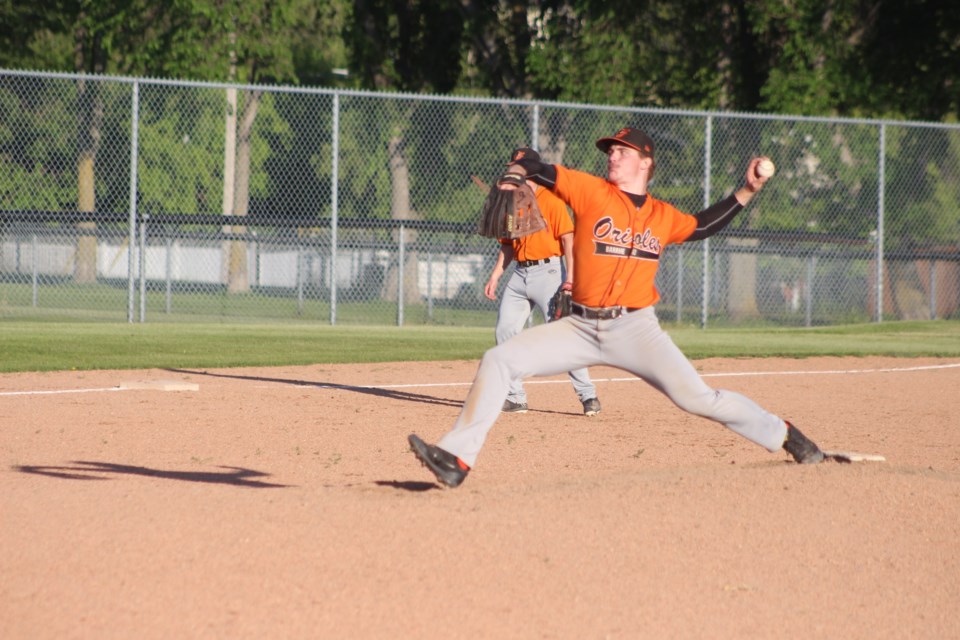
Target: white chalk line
point(702, 375)
point(60, 391)
point(423, 385)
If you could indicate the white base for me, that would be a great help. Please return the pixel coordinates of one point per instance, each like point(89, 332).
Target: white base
point(853, 456)
point(161, 385)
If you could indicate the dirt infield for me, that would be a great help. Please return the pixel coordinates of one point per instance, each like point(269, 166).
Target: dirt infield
point(283, 503)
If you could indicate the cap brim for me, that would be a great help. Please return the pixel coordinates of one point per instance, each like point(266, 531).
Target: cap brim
point(604, 144)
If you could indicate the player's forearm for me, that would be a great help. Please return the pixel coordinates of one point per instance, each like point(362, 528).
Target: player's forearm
point(505, 257)
point(540, 172)
point(714, 218)
point(745, 194)
point(566, 243)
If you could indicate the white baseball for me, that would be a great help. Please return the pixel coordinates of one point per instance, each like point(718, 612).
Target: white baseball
point(766, 168)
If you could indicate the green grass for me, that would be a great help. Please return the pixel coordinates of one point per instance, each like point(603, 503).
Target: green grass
point(30, 346)
point(51, 345)
point(939, 339)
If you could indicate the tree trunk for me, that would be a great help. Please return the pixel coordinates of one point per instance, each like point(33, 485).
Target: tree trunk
point(90, 107)
point(238, 280)
point(400, 210)
point(229, 172)
point(742, 282)
point(85, 270)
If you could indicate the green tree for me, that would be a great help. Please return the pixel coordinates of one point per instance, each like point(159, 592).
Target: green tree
point(83, 36)
point(224, 40)
point(413, 46)
point(859, 58)
point(235, 41)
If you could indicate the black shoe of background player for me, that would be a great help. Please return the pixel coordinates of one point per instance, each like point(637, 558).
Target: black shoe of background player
point(803, 450)
point(509, 406)
point(591, 407)
point(449, 469)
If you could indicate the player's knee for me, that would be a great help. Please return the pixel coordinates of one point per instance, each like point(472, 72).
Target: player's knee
point(702, 404)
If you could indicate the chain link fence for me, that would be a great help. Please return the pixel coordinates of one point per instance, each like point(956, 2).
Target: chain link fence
point(157, 201)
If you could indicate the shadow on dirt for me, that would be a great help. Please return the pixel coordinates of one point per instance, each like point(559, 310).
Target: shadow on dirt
point(84, 470)
point(373, 391)
point(414, 487)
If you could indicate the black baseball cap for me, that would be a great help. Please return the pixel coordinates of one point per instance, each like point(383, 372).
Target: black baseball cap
point(524, 153)
point(634, 138)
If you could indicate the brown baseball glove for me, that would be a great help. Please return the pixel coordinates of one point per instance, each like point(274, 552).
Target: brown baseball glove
point(510, 210)
point(560, 303)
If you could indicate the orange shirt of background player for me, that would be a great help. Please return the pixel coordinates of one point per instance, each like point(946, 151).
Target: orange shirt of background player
point(546, 242)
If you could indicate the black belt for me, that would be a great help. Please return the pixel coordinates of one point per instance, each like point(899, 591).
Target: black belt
point(600, 313)
point(532, 263)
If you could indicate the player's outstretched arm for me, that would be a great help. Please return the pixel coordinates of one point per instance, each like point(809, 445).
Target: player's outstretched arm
point(717, 216)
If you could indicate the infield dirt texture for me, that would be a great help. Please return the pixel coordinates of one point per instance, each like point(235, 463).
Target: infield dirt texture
point(284, 503)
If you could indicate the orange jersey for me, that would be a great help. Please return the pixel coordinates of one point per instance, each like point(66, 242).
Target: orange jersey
point(617, 247)
point(546, 242)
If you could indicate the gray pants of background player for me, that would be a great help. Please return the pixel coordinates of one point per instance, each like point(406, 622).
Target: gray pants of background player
point(635, 343)
point(529, 286)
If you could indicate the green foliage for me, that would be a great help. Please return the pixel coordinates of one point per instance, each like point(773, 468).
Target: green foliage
point(826, 180)
point(925, 165)
point(808, 44)
point(859, 58)
point(809, 56)
point(909, 53)
point(242, 40)
point(181, 150)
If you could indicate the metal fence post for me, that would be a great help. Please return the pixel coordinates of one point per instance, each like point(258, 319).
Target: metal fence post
point(33, 264)
point(132, 214)
point(430, 285)
point(401, 267)
point(933, 289)
point(300, 278)
point(446, 276)
point(143, 268)
point(334, 204)
point(679, 283)
point(707, 171)
point(168, 271)
point(880, 213)
point(535, 127)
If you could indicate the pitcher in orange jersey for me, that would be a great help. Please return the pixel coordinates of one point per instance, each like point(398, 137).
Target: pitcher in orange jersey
point(619, 235)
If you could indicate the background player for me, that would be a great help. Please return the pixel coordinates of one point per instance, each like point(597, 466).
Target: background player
point(620, 232)
point(538, 274)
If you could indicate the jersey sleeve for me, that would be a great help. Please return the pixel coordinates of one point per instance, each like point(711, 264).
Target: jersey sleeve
point(582, 191)
point(683, 225)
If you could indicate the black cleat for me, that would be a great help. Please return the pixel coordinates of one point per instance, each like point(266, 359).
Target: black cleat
point(591, 407)
point(514, 407)
point(449, 469)
point(803, 450)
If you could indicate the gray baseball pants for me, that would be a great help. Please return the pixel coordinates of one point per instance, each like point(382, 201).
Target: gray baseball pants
point(633, 342)
point(529, 286)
